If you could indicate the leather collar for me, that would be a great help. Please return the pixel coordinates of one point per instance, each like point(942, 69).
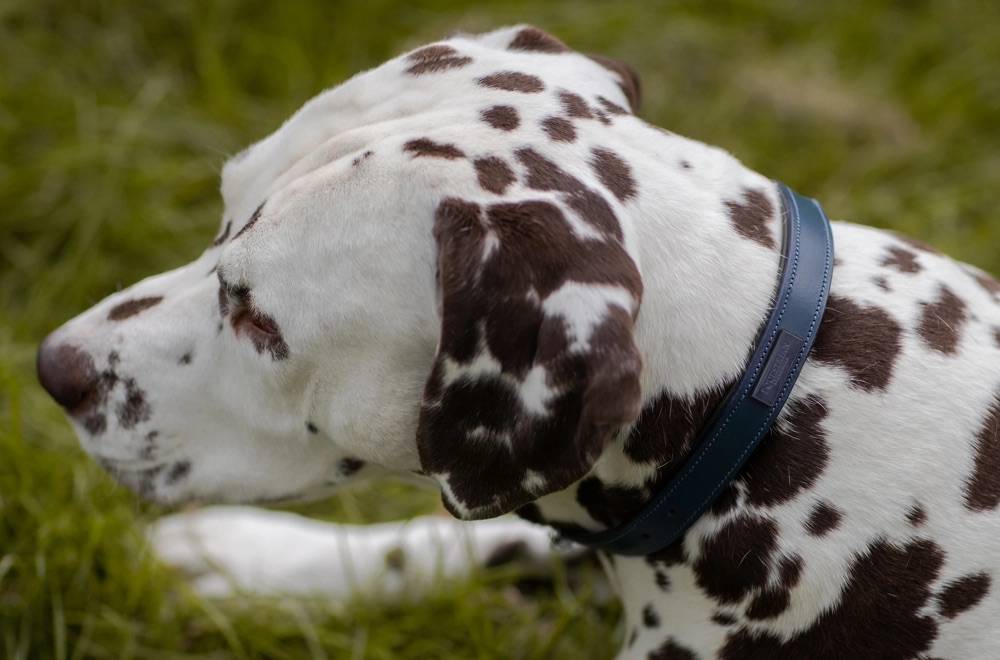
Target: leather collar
point(752, 405)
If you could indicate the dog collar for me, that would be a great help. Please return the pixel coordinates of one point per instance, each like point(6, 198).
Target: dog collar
point(752, 404)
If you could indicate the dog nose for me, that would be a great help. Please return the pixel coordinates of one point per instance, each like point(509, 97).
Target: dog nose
point(66, 372)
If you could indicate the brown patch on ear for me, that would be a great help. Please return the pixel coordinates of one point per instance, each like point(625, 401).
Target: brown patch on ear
point(494, 174)
point(628, 79)
point(864, 340)
point(435, 58)
point(537, 41)
point(130, 308)
point(513, 81)
point(982, 491)
point(942, 322)
point(752, 217)
point(423, 147)
point(518, 403)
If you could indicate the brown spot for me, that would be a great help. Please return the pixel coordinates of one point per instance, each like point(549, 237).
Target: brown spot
point(963, 594)
point(423, 147)
point(502, 117)
point(603, 117)
point(395, 559)
point(723, 619)
point(672, 555)
point(996, 336)
point(254, 217)
point(942, 321)
point(512, 81)
point(662, 580)
point(650, 618)
point(881, 282)
point(726, 501)
point(611, 106)
point(178, 471)
point(685, 165)
point(349, 466)
point(916, 516)
point(735, 560)
point(823, 519)
point(494, 174)
point(791, 457)
point(614, 173)
point(311, 427)
point(609, 504)
point(671, 650)
point(574, 105)
point(124, 310)
point(507, 553)
point(537, 41)
point(878, 614)
point(628, 79)
point(559, 129)
point(185, 359)
point(434, 59)
point(774, 600)
point(221, 238)
point(864, 340)
point(134, 408)
point(363, 157)
point(902, 260)
point(95, 423)
point(752, 216)
point(982, 491)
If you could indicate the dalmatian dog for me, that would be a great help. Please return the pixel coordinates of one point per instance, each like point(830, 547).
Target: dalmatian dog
point(476, 267)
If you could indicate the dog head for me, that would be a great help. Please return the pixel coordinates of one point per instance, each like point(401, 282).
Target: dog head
point(428, 269)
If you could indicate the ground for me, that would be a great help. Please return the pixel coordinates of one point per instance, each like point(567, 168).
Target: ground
point(115, 118)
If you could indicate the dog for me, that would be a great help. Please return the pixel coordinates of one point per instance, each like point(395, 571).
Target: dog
point(476, 267)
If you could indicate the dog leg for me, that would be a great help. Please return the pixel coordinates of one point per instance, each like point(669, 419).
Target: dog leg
point(232, 549)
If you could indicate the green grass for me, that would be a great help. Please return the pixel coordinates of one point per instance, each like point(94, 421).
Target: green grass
point(115, 118)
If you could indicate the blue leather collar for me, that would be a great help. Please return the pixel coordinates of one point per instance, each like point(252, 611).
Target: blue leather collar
point(753, 403)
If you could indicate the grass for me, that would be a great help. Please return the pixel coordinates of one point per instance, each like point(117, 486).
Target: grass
point(115, 118)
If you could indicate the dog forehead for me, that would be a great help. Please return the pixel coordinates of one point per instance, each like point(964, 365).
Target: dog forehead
point(418, 88)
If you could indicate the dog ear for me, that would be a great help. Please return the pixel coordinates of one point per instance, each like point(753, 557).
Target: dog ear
point(536, 367)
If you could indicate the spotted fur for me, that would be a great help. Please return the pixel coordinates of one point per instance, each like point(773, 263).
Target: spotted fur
point(475, 266)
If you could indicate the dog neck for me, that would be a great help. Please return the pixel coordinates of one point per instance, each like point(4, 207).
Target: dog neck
point(710, 261)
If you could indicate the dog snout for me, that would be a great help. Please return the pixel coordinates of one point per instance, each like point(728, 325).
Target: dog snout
point(67, 373)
